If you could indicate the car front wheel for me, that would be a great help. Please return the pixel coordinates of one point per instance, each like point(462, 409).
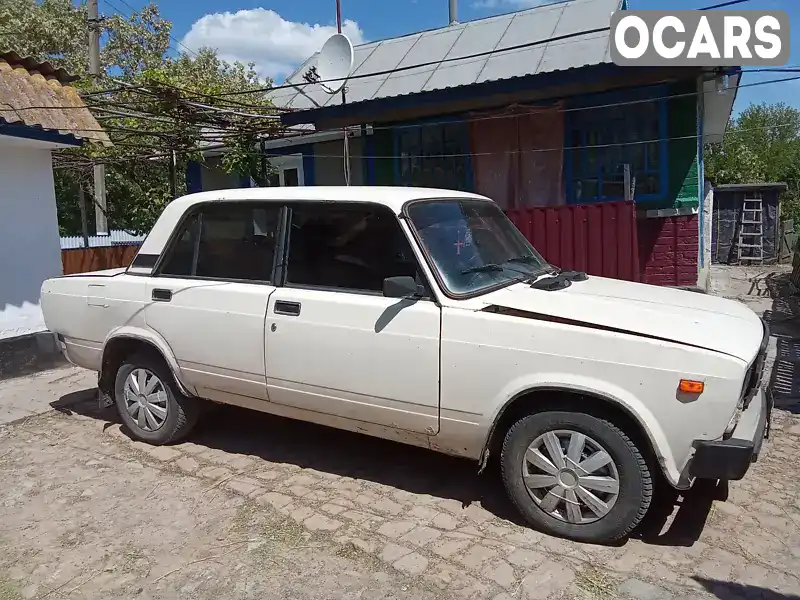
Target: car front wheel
point(576, 476)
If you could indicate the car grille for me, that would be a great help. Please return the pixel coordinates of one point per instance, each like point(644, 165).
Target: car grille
point(754, 374)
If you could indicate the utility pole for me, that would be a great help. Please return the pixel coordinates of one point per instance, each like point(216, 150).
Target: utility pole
point(84, 217)
point(94, 70)
point(344, 101)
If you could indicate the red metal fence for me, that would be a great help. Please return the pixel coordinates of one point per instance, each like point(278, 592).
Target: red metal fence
point(599, 239)
point(83, 260)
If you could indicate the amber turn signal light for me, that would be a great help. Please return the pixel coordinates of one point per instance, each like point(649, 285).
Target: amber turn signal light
point(688, 386)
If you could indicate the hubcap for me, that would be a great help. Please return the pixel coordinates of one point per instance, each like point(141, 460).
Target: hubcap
point(570, 476)
point(146, 399)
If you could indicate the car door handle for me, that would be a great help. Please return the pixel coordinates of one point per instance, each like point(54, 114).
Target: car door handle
point(162, 295)
point(290, 309)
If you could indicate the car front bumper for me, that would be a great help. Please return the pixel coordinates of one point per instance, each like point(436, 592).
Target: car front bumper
point(729, 459)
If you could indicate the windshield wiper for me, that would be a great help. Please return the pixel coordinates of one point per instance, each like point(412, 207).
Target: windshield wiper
point(483, 269)
point(523, 259)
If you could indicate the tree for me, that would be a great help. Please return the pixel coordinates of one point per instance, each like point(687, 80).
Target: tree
point(762, 145)
point(161, 107)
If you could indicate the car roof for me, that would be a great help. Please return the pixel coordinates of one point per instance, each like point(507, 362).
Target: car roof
point(393, 197)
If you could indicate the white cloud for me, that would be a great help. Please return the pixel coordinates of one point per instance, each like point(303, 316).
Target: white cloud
point(513, 4)
point(262, 36)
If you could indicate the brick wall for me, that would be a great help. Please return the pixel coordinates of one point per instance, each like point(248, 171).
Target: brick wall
point(668, 250)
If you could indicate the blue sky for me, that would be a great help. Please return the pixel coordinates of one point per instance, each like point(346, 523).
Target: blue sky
point(278, 34)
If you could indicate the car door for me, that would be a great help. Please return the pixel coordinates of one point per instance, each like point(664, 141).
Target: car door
point(209, 295)
point(335, 344)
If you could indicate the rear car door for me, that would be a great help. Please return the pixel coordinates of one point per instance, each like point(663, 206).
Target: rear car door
point(209, 294)
point(335, 344)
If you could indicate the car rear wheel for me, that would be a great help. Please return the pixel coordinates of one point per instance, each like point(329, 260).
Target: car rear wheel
point(150, 403)
point(576, 476)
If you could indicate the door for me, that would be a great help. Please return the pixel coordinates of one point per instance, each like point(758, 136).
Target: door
point(335, 344)
point(209, 297)
point(287, 171)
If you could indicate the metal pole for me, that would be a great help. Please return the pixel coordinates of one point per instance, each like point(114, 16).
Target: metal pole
point(453, 11)
point(263, 147)
point(346, 146)
point(173, 176)
point(94, 70)
point(84, 218)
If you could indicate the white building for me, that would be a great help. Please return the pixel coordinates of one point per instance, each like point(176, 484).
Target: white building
point(30, 248)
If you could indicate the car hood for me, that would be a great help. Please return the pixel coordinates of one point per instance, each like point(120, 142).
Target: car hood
point(679, 316)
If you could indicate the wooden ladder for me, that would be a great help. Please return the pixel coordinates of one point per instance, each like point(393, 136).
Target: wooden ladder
point(751, 233)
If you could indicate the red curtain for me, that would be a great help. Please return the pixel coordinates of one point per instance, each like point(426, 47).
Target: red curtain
point(518, 154)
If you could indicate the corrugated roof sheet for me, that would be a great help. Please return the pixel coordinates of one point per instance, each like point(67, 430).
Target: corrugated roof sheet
point(39, 95)
point(465, 40)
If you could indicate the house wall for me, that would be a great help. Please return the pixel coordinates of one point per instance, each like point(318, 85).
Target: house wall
point(214, 177)
point(683, 167)
point(323, 164)
point(29, 240)
point(329, 162)
point(668, 248)
point(523, 164)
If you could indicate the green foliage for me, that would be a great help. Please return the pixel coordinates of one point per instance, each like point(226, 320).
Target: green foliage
point(762, 145)
point(155, 110)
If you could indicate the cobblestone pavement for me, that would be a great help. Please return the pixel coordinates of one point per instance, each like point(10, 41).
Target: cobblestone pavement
point(256, 506)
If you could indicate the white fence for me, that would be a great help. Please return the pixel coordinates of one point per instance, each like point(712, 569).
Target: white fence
point(114, 238)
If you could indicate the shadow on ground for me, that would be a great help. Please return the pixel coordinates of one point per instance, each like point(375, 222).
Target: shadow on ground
point(784, 323)
point(415, 470)
point(726, 590)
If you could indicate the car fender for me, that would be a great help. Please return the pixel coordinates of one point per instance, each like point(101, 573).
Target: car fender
point(160, 344)
point(592, 387)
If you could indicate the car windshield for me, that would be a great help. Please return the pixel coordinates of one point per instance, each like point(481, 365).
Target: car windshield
point(473, 245)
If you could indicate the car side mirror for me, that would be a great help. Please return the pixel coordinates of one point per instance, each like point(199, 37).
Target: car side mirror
point(402, 286)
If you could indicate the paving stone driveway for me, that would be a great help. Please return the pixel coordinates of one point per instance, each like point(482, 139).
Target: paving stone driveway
point(256, 506)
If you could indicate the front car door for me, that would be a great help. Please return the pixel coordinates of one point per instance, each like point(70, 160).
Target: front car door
point(335, 344)
point(209, 297)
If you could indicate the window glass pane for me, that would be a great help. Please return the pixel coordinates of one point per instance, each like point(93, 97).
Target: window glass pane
point(237, 242)
point(179, 262)
point(473, 244)
point(433, 156)
point(353, 247)
point(620, 134)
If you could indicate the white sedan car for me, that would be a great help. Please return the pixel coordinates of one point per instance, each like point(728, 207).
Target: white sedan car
point(424, 316)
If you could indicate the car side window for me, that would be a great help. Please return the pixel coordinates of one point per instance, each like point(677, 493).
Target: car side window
point(226, 241)
point(353, 247)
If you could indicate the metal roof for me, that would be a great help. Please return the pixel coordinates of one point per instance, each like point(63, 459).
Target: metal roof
point(465, 40)
point(747, 187)
point(38, 95)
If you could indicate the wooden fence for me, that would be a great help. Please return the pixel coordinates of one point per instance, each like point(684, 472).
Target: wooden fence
point(83, 260)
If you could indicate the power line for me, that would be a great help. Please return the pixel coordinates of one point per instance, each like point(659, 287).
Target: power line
point(724, 4)
point(477, 118)
point(117, 9)
point(449, 155)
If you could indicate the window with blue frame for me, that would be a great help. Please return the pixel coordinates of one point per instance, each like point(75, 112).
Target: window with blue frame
point(433, 155)
point(600, 141)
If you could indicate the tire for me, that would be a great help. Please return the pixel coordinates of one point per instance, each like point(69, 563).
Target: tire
point(181, 411)
point(634, 485)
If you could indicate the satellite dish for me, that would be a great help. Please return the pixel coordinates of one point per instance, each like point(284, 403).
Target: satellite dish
point(334, 64)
